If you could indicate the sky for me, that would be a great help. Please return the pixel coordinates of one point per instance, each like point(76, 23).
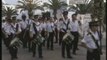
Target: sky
point(11, 1)
point(14, 1)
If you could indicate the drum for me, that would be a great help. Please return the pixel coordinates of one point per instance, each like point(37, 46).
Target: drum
point(68, 38)
point(15, 41)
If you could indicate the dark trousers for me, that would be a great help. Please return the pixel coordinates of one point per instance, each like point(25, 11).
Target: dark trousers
point(25, 39)
point(8, 40)
point(61, 34)
point(65, 47)
point(56, 35)
point(50, 41)
point(13, 52)
point(39, 49)
point(43, 35)
point(3, 37)
point(95, 55)
point(75, 41)
point(29, 44)
point(4, 40)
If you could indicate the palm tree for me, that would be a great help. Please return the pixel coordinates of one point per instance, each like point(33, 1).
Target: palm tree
point(98, 11)
point(82, 8)
point(29, 5)
point(8, 11)
point(54, 5)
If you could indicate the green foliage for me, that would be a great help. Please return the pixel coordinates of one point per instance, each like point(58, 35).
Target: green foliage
point(30, 6)
point(83, 8)
point(8, 11)
point(104, 13)
point(54, 5)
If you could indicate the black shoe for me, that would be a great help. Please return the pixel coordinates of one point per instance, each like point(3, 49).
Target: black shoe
point(77, 49)
point(16, 57)
point(56, 42)
point(51, 49)
point(29, 50)
point(47, 48)
point(44, 45)
point(12, 58)
point(63, 56)
point(33, 55)
point(59, 44)
point(74, 53)
point(69, 57)
point(40, 56)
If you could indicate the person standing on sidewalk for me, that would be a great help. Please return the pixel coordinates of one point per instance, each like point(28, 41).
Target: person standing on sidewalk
point(50, 29)
point(92, 42)
point(35, 31)
point(75, 33)
point(64, 29)
point(25, 24)
point(56, 29)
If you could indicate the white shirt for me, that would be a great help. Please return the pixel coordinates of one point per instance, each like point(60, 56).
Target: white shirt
point(43, 26)
point(9, 29)
point(37, 25)
point(74, 26)
point(63, 26)
point(25, 23)
point(56, 24)
point(88, 40)
point(19, 27)
point(50, 27)
point(3, 24)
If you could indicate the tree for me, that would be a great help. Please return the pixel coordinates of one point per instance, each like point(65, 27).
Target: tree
point(105, 13)
point(29, 5)
point(82, 8)
point(99, 12)
point(54, 5)
point(8, 11)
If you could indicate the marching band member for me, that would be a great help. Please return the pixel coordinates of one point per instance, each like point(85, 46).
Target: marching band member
point(25, 24)
point(3, 33)
point(92, 42)
point(8, 31)
point(74, 32)
point(43, 32)
point(64, 28)
point(60, 31)
point(50, 30)
point(56, 30)
point(35, 30)
point(12, 30)
point(13, 47)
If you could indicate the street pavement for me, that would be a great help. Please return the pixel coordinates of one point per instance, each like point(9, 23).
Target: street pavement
point(23, 54)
